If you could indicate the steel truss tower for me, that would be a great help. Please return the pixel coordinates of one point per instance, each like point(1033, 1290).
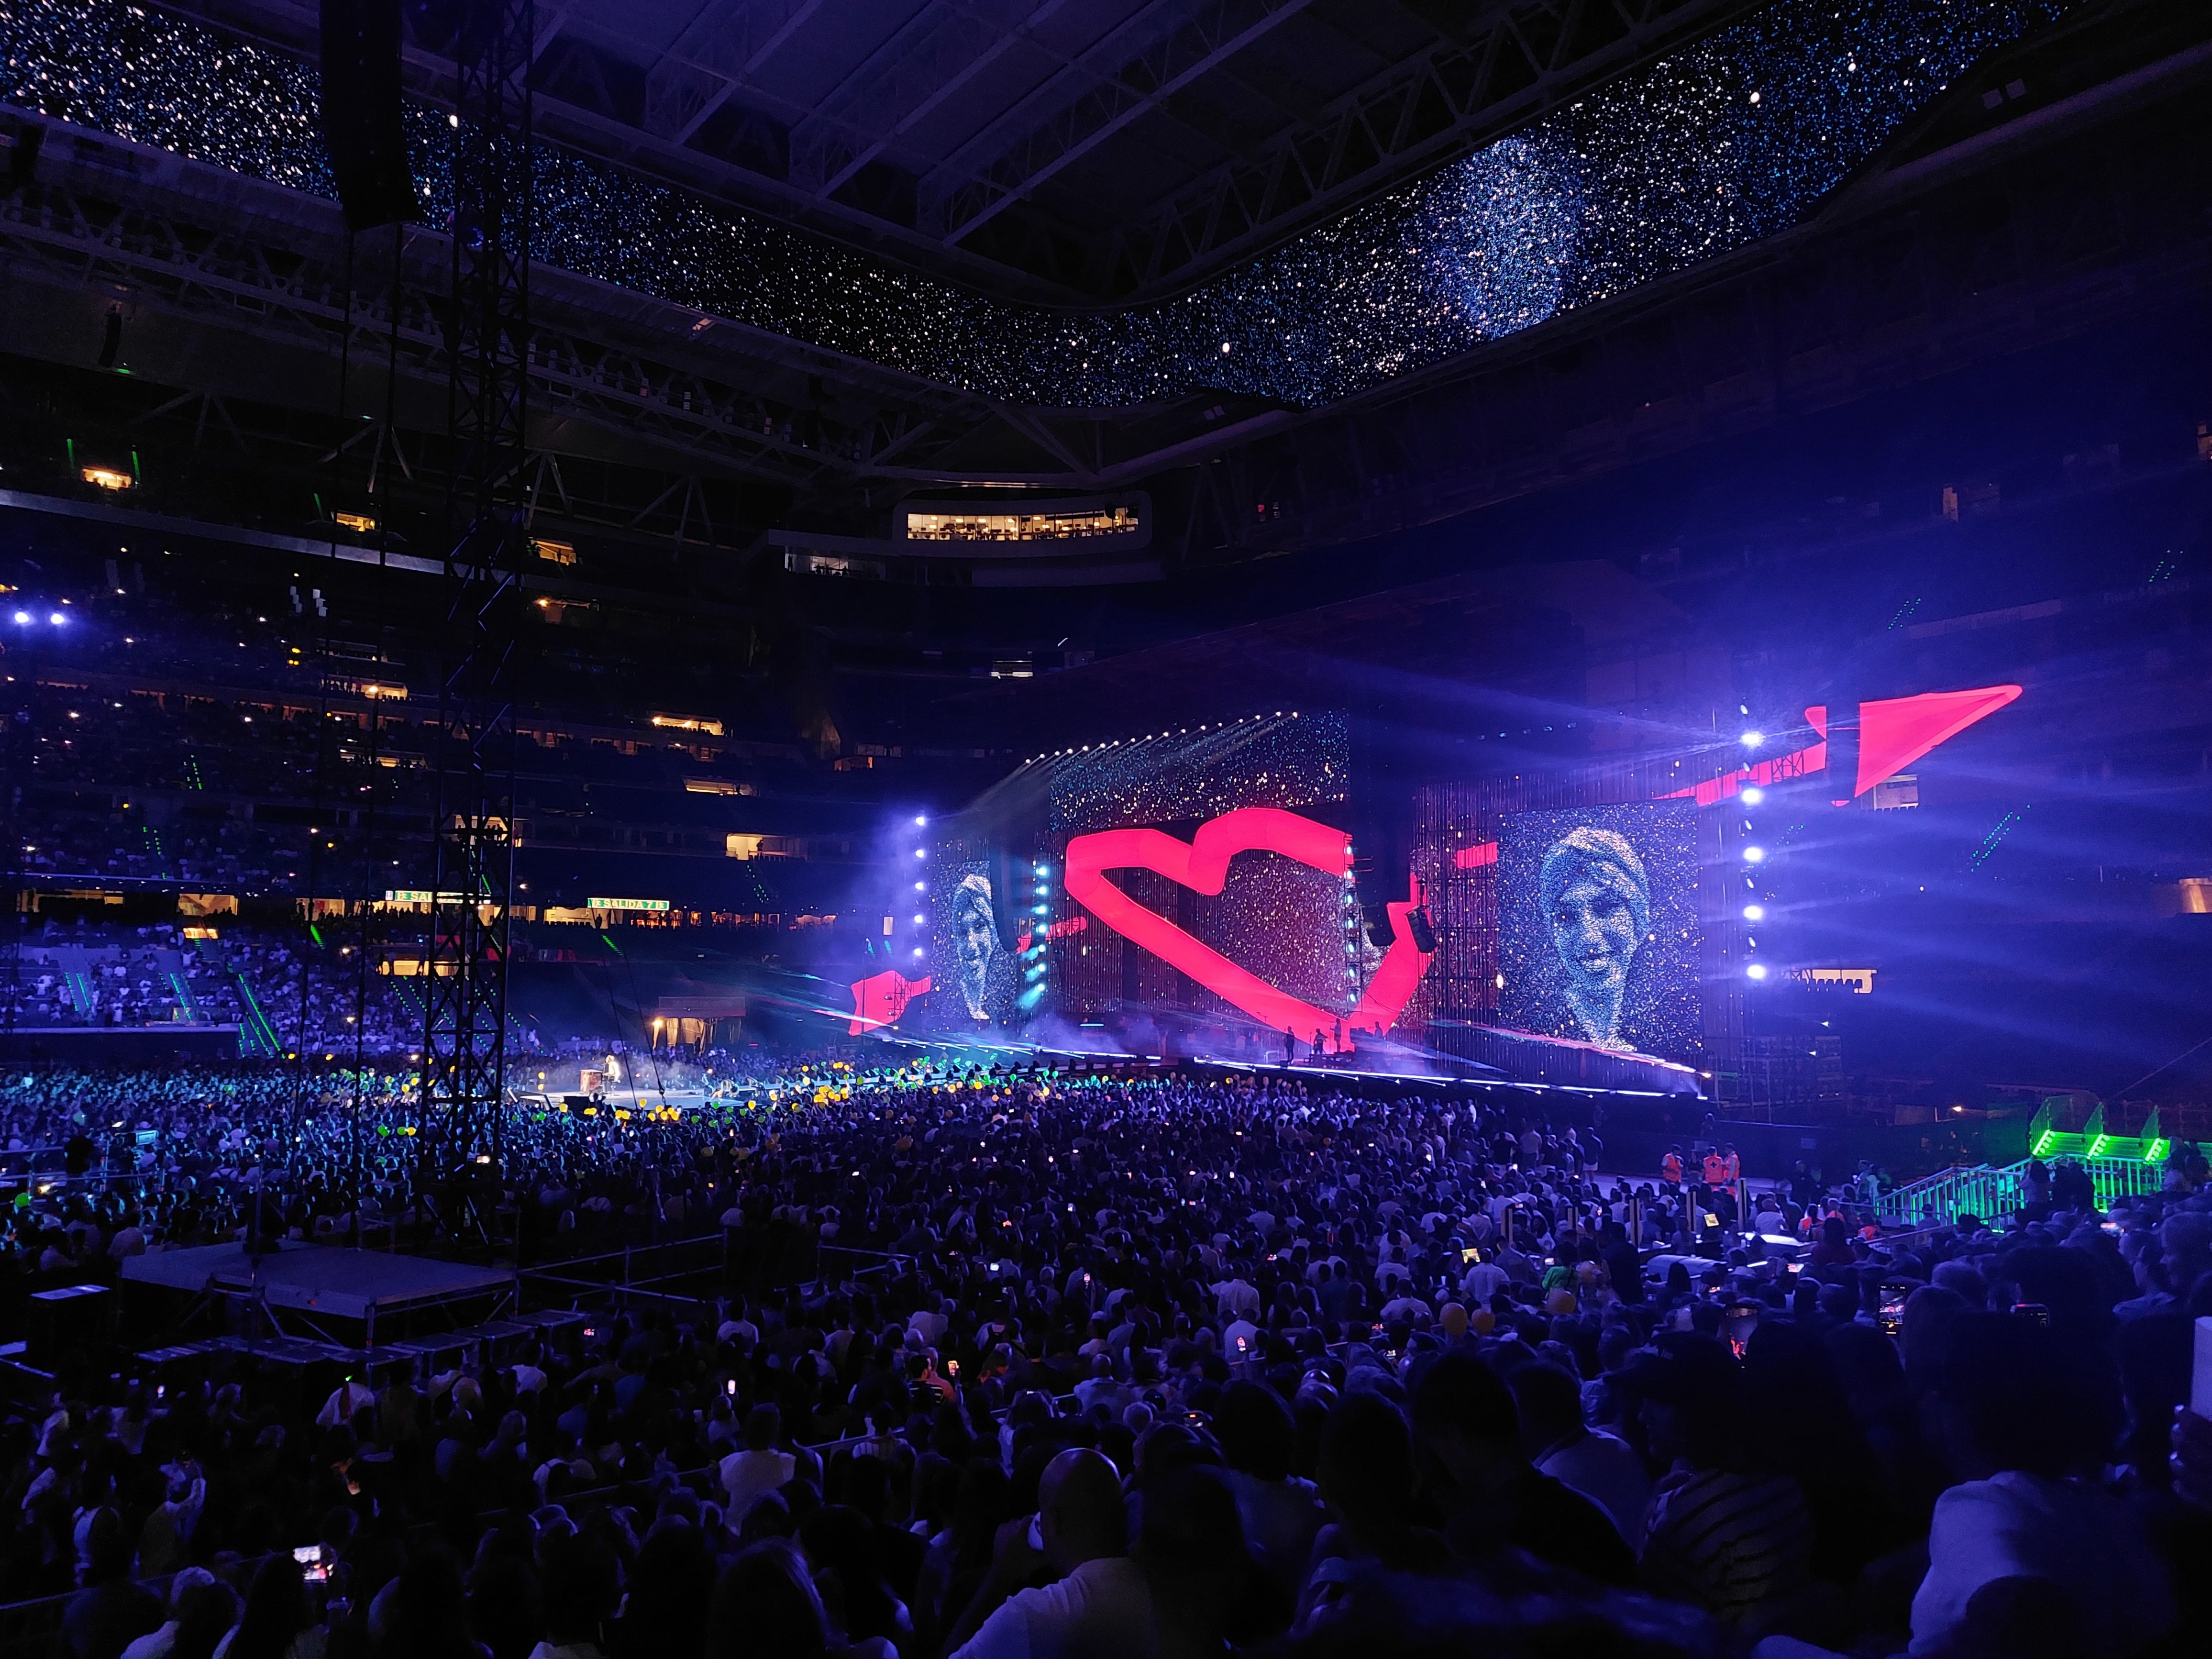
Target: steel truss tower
point(464, 990)
point(18, 752)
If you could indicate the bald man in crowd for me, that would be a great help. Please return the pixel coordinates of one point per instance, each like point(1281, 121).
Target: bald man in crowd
point(1097, 1606)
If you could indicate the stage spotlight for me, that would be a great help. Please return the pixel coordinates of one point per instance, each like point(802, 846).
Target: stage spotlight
point(57, 619)
point(1753, 795)
point(1754, 912)
point(917, 921)
point(921, 852)
point(1757, 970)
point(921, 887)
point(917, 950)
point(1754, 854)
point(22, 616)
point(920, 822)
point(1752, 739)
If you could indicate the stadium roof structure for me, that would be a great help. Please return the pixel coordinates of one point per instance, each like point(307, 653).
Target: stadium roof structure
point(720, 358)
point(1056, 152)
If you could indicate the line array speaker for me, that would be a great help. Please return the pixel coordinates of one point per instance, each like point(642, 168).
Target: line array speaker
point(361, 112)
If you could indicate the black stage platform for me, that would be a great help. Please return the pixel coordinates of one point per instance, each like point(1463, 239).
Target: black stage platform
point(325, 1287)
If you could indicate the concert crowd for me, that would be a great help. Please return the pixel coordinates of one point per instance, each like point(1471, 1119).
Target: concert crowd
point(1010, 1364)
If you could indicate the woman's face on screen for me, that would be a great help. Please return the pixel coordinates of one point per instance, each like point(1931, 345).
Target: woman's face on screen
point(975, 941)
point(1594, 931)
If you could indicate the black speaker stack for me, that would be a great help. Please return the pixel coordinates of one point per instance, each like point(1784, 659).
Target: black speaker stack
point(362, 121)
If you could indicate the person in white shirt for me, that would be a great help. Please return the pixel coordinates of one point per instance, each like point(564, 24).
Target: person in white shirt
point(345, 1400)
point(2088, 1549)
point(1481, 1281)
point(1100, 1387)
point(157, 1643)
point(1406, 1306)
point(1236, 1296)
point(2018, 1423)
point(168, 1529)
point(931, 1323)
point(1100, 1606)
point(739, 1329)
point(750, 1475)
point(1603, 1469)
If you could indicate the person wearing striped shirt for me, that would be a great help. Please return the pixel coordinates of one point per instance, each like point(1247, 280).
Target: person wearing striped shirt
point(1720, 1532)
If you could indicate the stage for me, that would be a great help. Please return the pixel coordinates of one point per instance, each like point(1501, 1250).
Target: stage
point(322, 1286)
point(1528, 1057)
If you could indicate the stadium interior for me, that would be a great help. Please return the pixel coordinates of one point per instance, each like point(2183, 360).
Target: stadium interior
point(1405, 807)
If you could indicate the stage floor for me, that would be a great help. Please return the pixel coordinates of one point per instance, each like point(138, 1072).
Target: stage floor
point(341, 1283)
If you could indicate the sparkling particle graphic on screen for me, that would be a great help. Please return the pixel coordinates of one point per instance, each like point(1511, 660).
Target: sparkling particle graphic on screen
point(1503, 234)
point(1720, 143)
point(1289, 761)
point(1292, 925)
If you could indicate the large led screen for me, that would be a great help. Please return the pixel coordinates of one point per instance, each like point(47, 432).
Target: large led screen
point(980, 931)
point(1599, 938)
point(1281, 946)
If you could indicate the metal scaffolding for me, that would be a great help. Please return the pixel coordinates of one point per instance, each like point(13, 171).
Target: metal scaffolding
point(464, 989)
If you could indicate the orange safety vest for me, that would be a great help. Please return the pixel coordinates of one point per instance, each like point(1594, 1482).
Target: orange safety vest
point(1670, 1168)
point(1715, 1170)
point(1735, 1166)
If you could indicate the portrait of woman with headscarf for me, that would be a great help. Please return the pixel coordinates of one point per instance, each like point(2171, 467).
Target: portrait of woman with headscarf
point(1597, 899)
point(975, 942)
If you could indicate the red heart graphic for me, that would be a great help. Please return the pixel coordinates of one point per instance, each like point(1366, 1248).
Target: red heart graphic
point(1202, 864)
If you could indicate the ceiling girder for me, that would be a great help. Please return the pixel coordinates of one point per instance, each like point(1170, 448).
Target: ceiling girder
point(1518, 65)
point(1209, 37)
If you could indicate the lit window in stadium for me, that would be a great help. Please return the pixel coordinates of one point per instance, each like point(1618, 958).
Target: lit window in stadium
point(1042, 527)
point(1858, 981)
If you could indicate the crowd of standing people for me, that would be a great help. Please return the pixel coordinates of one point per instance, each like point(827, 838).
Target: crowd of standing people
point(1045, 1363)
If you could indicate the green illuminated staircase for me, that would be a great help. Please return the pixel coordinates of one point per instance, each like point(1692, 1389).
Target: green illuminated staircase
point(256, 1038)
point(2046, 1140)
point(188, 1005)
point(76, 980)
point(2119, 1166)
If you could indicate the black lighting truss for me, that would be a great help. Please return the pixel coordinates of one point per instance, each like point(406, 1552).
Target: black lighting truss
point(18, 749)
point(464, 989)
